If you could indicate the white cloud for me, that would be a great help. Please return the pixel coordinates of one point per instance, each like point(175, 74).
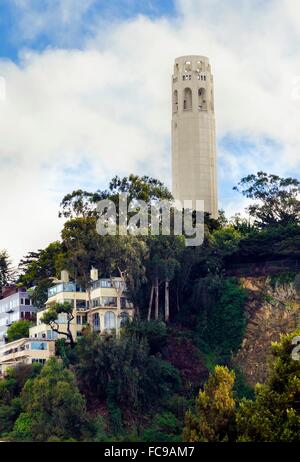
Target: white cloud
point(107, 106)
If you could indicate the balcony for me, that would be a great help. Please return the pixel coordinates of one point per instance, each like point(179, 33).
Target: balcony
point(63, 287)
point(108, 284)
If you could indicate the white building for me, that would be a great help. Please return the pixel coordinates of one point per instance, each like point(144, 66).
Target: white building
point(15, 305)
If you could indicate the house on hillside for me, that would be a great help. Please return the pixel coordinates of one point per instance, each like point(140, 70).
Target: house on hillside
point(15, 305)
point(105, 306)
point(25, 351)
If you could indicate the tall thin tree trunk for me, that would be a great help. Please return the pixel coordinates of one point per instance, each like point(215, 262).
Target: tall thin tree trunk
point(156, 299)
point(167, 301)
point(150, 303)
point(177, 300)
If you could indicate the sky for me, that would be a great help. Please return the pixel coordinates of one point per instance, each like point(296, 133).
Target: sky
point(85, 94)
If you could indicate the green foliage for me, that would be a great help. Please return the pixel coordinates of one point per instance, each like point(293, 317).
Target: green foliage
point(8, 415)
point(18, 330)
point(83, 203)
point(274, 416)
point(36, 267)
point(154, 332)
point(241, 388)
point(277, 199)
point(222, 325)
point(122, 372)
point(10, 389)
point(97, 428)
point(50, 317)
point(282, 279)
point(22, 430)
point(39, 294)
point(132, 380)
point(6, 270)
point(165, 427)
point(53, 406)
point(214, 417)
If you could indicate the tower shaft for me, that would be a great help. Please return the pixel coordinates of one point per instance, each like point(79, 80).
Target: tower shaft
point(194, 170)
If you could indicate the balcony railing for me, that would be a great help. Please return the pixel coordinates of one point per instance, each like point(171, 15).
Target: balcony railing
point(108, 284)
point(63, 287)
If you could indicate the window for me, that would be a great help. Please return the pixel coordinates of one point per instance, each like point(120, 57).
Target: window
point(27, 301)
point(202, 104)
point(175, 101)
point(109, 301)
point(39, 345)
point(62, 318)
point(187, 66)
point(51, 335)
point(96, 322)
point(125, 303)
point(109, 320)
point(199, 66)
point(96, 302)
point(81, 304)
point(188, 101)
point(78, 319)
point(40, 361)
point(124, 317)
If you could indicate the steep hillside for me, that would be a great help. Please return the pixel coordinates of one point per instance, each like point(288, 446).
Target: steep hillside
point(272, 308)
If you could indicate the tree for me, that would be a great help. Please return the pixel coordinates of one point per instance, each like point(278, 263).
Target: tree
point(121, 372)
point(19, 329)
point(40, 265)
point(83, 203)
point(154, 332)
point(50, 317)
point(52, 406)
point(10, 388)
point(38, 270)
point(163, 263)
point(6, 270)
point(214, 417)
point(165, 427)
point(277, 198)
point(121, 256)
point(274, 415)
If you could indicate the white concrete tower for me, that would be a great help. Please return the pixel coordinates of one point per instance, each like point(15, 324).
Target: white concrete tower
point(194, 170)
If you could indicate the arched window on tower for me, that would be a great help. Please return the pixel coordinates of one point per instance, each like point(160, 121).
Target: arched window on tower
point(187, 100)
point(175, 101)
point(199, 66)
point(202, 103)
point(187, 66)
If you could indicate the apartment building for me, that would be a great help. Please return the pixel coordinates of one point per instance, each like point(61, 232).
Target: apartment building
point(104, 306)
point(25, 351)
point(15, 305)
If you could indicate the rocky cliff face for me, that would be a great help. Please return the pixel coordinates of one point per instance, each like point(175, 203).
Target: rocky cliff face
point(273, 308)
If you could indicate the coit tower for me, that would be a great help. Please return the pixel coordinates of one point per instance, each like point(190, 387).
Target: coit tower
point(194, 172)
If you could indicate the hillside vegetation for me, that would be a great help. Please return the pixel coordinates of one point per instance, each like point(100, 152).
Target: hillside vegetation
point(186, 368)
